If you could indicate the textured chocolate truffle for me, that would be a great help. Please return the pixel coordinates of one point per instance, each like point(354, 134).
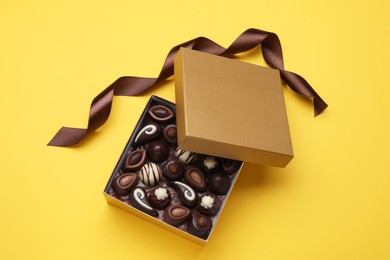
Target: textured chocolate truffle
point(209, 204)
point(219, 183)
point(176, 215)
point(199, 225)
point(123, 184)
point(194, 177)
point(230, 166)
point(186, 194)
point(157, 151)
point(210, 164)
point(147, 133)
point(135, 160)
point(161, 113)
point(186, 156)
point(140, 201)
point(150, 174)
point(173, 170)
point(170, 134)
point(160, 198)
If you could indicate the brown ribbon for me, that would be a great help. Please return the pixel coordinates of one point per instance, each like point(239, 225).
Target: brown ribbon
point(133, 86)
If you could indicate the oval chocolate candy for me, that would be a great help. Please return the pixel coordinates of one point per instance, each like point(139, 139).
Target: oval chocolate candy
point(135, 160)
point(123, 183)
point(139, 200)
point(160, 113)
point(176, 215)
point(150, 174)
point(195, 178)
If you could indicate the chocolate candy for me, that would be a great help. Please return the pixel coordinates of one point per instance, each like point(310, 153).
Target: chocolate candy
point(186, 156)
point(219, 183)
point(210, 164)
point(157, 151)
point(135, 160)
point(160, 198)
point(230, 166)
point(161, 113)
point(199, 225)
point(172, 170)
point(195, 178)
point(147, 133)
point(187, 195)
point(150, 174)
point(123, 184)
point(139, 201)
point(170, 134)
point(176, 214)
point(209, 204)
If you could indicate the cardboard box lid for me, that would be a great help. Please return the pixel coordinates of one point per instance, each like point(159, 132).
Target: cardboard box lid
point(231, 109)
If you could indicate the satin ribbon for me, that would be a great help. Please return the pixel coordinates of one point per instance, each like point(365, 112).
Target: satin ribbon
point(133, 86)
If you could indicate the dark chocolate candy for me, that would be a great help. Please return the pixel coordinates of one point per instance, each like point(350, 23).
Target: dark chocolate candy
point(176, 214)
point(147, 133)
point(199, 225)
point(173, 170)
point(140, 201)
point(209, 204)
point(170, 134)
point(210, 164)
point(194, 177)
point(135, 160)
point(157, 151)
point(161, 113)
point(123, 183)
point(186, 194)
point(186, 156)
point(160, 198)
point(230, 166)
point(219, 183)
point(150, 174)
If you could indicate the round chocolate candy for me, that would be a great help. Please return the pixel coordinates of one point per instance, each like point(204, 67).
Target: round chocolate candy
point(172, 170)
point(209, 204)
point(219, 183)
point(135, 160)
point(170, 134)
point(195, 178)
point(176, 215)
point(161, 113)
point(160, 198)
point(140, 201)
point(199, 225)
point(147, 133)
point(157, 151)
point(123, 183)
point(230, 166)
point(210, 164)
point(150, 174)
point(186, 156)
point(186, 194)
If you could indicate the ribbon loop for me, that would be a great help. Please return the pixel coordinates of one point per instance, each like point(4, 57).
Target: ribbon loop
point(132, 86)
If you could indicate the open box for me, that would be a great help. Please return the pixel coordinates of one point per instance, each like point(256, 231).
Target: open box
point(225, 109)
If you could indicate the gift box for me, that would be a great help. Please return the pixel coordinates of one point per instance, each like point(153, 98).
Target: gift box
point(179, 190)
point(181, 162)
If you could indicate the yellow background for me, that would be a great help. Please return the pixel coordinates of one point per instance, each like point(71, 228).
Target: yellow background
point(331, 202)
